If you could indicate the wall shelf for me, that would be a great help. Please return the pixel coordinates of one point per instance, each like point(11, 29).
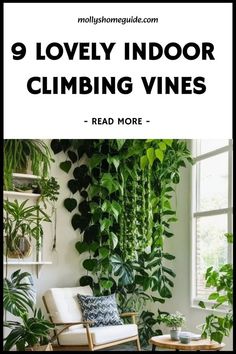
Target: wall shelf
point(26, 262)
point(25, 176)
point(20, 194)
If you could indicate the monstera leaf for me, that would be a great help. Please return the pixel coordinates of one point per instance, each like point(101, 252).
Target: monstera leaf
point(18, 294)
point(122, 269)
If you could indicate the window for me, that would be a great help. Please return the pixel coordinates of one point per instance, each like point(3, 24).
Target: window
point(212, 210)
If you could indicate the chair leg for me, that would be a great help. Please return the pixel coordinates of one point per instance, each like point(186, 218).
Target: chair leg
point(138, 345)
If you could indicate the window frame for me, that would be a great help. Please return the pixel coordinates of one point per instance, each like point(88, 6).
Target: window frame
point(195, 182)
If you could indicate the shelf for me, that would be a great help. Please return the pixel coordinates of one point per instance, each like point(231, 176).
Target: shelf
point(25, 176)
point(26, 262)
point(20, 194)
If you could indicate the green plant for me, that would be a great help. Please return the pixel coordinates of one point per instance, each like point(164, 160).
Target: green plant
point(19, 152)
point(48, 189)
point(125, 213)
point(21, 221)
point(19, 299)
point(217, 327)
point(174, 320)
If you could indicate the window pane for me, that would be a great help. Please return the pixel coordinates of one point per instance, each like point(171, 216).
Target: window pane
point(212, 248)
point(213, 183)
point(211, 144)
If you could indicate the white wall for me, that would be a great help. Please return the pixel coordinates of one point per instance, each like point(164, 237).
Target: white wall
point(180, 246)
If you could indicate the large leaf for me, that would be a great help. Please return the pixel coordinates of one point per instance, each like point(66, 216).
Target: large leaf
point(18, 293)
point(122, 269)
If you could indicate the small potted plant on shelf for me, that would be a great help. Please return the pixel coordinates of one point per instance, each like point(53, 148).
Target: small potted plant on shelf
point(32, 332)
point(20, 155)
point(21, 223)
point(175, 321)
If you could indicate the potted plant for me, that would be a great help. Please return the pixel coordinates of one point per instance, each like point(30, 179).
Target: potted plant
point(19, 154)
point(32, 332)
point(216, 327)
point(20, 224)
point(175, 322)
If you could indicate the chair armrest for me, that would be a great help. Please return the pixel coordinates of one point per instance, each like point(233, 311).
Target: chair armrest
point(73, 323)
point(69, 324)
point(130, 314)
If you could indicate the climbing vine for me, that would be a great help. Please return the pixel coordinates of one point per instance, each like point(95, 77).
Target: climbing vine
point(122, 192)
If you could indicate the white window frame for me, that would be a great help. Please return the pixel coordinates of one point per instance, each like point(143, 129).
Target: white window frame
point(194, 214)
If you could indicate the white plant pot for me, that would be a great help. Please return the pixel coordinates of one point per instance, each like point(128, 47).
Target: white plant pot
point(174, 333)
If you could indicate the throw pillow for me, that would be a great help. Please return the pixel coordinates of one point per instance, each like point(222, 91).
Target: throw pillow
point(101, 310)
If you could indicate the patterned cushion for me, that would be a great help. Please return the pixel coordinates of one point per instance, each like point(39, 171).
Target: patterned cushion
point(102, 310)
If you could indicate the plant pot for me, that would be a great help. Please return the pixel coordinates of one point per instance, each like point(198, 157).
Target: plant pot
point(40, 348)
point(22, 248)
point(174, 333)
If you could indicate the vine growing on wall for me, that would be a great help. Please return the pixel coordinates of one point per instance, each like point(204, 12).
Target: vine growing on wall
point(122, 192)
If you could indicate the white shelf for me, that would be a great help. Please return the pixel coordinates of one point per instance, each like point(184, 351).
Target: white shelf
point(25, 176)
point(20, 194)
point(26, 262)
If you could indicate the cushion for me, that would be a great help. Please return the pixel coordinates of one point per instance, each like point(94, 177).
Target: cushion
point(63, 304)
point(102, 310)
point(76, 335)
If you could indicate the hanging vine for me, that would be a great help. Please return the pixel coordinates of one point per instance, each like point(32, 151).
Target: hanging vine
point(123, 192)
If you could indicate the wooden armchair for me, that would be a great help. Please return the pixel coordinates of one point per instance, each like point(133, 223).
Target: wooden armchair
point(64, 311)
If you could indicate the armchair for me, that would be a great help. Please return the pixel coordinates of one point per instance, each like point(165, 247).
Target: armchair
point(64, 311)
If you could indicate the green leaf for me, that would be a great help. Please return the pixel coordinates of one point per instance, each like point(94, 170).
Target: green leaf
point(165, 292)
point(168, 256)
point(122, 269)
point(106, 283)
point(108, 181)
point(143, 162)
point(81, 247)
point(162, 146)
point(105, 224)
point(120, 143)
point(168, 141)
point(73, 185)
point(213, 296)
point(151, 155)
point(229, 237)
point(114, 160)
point(90, 264)
point(86, 280)
point(217, 336)
point(65, 166)
point(113, 240)
point(70, 204)
point(201, 304)
point(95, 160)
point(103, 252)
point(159, 154)
point(115, 209)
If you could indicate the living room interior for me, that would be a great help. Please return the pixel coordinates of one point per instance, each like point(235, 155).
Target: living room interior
point(115, 244)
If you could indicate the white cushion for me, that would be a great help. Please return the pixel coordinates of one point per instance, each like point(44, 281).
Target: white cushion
point(63, 304)
point(76, 335)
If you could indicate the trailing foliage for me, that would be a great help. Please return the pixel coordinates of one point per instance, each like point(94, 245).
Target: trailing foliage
point(18, 153)
point(121, 203)
point(217, 327)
